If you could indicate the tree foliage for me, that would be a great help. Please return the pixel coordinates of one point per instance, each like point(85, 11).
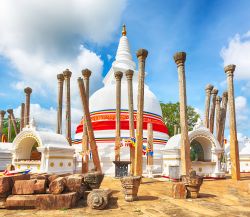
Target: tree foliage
point(171, 116)
point(5, 128)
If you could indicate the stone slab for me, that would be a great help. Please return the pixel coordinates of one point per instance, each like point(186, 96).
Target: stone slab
point(56, 201)
point(21, 202)
point(22, 187)
point(176, 190)
point(2, 203)
point(6, 184)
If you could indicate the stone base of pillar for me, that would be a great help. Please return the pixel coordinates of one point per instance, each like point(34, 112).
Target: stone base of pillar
point(130, 185)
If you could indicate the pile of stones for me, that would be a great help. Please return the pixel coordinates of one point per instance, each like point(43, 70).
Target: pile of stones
point(43, 191)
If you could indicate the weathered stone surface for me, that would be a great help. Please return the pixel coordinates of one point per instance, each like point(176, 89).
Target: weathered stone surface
point(176, 190)
point(40, 186)
point(179, 191)
point(21, 202)
point(5, 186)
point(20, 177)
point(93, 179)
point(2, 203)
point(75, 183)
point(23, 187)
point(52, 178)
point(59, 201)
point(98, 198)
point(57, 186)
point(130, 185)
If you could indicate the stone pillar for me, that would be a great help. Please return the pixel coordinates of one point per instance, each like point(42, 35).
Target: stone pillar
point(22, 119)
point(218, 117)
point(212, 110)
point(175, 129)
point(234, 149)
point(180, 58)
point(9, 128)
point(208, 89)
point(60, 79)
point(67, 74)
point(141, 55)
point(13, 120)
point(2, 113)
point(90, 131)
point(223, 116)
point(129, 76)
point(118, 77)
point(150, 140)
point(27, 91)
point(85, 141)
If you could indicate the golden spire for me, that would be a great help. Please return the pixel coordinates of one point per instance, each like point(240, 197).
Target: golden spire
point(124, 32)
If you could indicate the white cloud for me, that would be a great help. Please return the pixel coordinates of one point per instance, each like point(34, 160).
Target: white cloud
point(43, 38)
point(237, 52)
point(109, 57)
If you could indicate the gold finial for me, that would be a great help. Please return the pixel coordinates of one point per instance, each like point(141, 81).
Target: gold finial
point(124, 32)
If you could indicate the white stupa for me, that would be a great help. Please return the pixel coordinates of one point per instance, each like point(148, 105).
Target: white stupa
point(103, 105)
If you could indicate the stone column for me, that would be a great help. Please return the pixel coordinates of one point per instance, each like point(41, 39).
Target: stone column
point(2, 113)
point(85, 141)
point(129, 76)
point(118, 77)
point(60, 79)
point(175, 129)
point(223, 116)
point(22, 116)
point(90, 131)
point(234, 149)
point(218, 117)
point(150, 139)
point(13, 120)
point(67, 74)
point(208, 89)
point(27, 91)
point(212, 110)
point(180, 58)
point(9, 128)
point(141, 55)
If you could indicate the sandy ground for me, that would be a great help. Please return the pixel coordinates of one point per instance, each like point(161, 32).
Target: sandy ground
point(217, 198)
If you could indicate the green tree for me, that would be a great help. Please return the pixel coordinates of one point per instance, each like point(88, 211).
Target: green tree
point(5, 128)
point(171, 116)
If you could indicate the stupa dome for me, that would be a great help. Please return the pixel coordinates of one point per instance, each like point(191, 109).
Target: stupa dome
point(102, 106)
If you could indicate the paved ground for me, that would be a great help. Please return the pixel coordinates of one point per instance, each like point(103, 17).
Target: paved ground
point(218, 198)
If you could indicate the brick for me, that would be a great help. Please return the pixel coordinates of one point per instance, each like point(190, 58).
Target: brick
point(56, 201)
point(21, 202)
point(176, 190)
point(23, 187)
point(40, 186)
point(6, 184)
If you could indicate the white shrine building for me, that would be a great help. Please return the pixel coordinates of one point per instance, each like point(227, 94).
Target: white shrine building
point(102, 110)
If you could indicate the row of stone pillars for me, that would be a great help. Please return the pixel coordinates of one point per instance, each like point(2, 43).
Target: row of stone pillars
point(180, 58)
point(219, 106)
point(135, 153)
point(24, 116)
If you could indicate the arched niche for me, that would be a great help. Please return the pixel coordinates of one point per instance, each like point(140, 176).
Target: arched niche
point(206, 145)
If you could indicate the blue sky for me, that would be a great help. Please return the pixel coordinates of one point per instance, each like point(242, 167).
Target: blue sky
point(39, 39)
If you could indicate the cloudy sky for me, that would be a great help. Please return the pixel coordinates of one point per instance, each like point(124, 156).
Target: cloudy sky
point(39, 39)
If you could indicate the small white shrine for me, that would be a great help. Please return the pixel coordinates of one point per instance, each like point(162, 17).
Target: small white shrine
point(244, 155)
point(205, 153)
point(42, 152)
point(5, 154)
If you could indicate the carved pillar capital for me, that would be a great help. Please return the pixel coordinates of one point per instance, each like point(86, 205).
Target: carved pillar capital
point(86, 73)
point(214, 91)
point(2, 113)
point(10, 111)
point(60, 77)
point(209, 88)
point(142, 54)
point(129, 74)
point(28, 90)
point(118, 75)
point(180, 58)
point(229, 70)
point(67, 74)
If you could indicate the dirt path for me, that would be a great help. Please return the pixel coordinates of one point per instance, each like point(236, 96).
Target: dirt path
point(217, 198)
